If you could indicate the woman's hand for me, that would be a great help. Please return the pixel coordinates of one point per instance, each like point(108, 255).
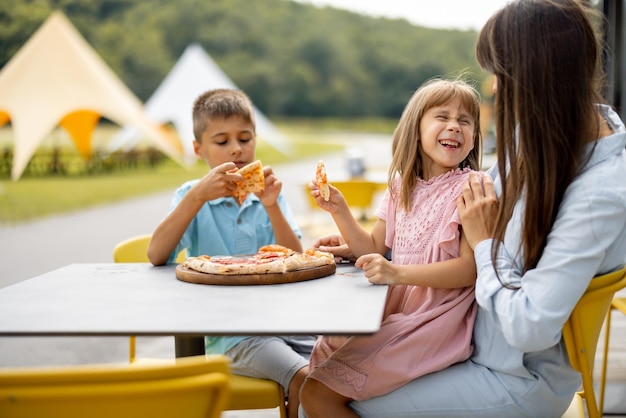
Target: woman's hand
point(478, 208)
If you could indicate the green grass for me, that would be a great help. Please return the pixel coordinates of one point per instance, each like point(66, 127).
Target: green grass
point(36, 197)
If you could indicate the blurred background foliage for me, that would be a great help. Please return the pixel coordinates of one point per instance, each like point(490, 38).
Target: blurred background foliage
point(293, 59)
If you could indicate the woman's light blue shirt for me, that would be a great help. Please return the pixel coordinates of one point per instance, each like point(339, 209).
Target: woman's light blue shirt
point(518, 332)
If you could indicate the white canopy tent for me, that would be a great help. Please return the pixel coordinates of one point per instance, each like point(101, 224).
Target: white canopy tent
point(193, 74)
point(57, 78)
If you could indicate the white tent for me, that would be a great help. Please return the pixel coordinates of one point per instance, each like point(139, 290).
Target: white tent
point(57, 78)
point(193, 74)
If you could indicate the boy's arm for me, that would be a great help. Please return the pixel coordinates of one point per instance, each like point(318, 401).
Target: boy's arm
point(168, 233)
point(283, 233)
point(218, 182)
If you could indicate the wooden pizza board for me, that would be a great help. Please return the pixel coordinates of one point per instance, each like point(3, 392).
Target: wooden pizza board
point(188, 275)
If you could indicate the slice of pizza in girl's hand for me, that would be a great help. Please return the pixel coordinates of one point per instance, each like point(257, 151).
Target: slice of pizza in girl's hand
point(253, 180)
point(322, 180)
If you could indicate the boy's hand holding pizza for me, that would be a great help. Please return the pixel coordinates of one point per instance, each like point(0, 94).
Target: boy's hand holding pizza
point(273, 186)
point(219, 182)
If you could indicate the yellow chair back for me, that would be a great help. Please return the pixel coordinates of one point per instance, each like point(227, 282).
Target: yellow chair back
point(582, 331)
point(189, 388)
point(134, 250)
point(619, 304)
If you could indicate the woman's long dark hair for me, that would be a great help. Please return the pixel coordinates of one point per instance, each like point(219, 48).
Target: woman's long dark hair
point(545, 55)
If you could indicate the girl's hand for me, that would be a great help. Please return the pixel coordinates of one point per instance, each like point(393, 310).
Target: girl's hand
point(478, 208)
point(336, 245)
point(335, 202)
point(273, 186)
point(377, 268)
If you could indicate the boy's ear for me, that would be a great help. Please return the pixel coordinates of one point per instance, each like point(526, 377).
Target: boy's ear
point(196, 148)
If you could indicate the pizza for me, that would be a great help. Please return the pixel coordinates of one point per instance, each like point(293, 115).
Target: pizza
point(322, 180)
point(269, 259)
point(253, 180)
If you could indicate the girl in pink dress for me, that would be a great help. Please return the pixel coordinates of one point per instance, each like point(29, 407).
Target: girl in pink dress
point(430, 310)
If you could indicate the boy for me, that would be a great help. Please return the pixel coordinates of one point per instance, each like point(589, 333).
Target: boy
point(205, 218)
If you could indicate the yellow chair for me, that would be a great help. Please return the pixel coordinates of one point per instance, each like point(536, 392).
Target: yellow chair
point(190, 388)
point(246, 392)
point(581, 333)
point(134, 250)
point(620, 305)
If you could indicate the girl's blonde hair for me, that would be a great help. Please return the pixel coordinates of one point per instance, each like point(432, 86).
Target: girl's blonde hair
point(406, 160)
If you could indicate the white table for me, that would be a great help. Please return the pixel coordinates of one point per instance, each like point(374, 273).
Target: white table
point(115, 299)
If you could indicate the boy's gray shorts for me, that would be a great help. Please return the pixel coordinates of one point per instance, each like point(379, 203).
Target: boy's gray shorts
point(274, 358)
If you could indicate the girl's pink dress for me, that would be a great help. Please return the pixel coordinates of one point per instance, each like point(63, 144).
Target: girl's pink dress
point(424, 329)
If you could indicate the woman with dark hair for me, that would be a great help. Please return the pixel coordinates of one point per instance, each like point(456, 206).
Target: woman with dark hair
point(550, 216)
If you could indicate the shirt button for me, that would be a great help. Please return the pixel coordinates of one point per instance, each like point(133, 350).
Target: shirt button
point(238, 221)
point(228, 204)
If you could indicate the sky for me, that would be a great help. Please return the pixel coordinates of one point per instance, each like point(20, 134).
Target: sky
point(447, 14)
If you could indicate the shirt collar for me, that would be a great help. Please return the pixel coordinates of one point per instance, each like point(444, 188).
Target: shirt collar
point(229, 199)
point(612, 145)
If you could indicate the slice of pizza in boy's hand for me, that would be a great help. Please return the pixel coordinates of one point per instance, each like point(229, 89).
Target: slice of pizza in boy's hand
point(253, 180)
point(322, 180)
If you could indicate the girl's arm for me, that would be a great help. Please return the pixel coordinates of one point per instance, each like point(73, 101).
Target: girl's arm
point(449, 274)
point(358, 239)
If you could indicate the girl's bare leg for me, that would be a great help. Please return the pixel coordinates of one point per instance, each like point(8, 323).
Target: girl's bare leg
point(319, 401)
point(293, 399)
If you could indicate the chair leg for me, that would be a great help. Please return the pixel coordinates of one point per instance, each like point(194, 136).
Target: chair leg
point(131, 349)
point(282, 409)
point(605, 358)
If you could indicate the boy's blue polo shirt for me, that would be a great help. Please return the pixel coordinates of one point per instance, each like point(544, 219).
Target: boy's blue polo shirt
point(221, 227)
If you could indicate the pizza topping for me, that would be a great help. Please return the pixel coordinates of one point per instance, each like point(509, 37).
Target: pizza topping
point(322, 180)
point(253, 180)
point(275, 248)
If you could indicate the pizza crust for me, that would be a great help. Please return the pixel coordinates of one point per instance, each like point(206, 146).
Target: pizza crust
point(231, 266)
point(300, 261)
